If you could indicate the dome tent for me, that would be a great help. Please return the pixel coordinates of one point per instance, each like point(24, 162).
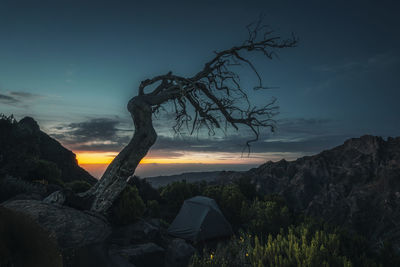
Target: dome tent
point(200, 219)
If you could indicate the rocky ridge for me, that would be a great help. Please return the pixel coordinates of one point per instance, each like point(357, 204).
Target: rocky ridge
point(356, 185)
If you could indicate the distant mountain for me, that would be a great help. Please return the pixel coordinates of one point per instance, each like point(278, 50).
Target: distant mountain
point(28, 153)
point(356, 184)
point(190, 177)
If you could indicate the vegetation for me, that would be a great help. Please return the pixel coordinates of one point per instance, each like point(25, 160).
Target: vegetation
point(128, 207)
point(46, 170)
point(78, 186)
point(268, 233)
point(298, 247)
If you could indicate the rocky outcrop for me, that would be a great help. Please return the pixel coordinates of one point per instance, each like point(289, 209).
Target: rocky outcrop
point(72, 228)
point(356, 184)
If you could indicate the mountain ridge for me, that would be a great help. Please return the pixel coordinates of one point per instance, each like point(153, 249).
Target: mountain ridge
point(356, 184)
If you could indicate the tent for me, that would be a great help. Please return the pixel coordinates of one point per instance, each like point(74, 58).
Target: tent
point(200, 219)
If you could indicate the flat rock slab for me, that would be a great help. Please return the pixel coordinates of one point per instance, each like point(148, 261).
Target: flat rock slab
point(72, 228)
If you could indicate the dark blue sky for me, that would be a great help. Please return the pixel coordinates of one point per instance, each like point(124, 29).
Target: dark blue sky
point(73, 66)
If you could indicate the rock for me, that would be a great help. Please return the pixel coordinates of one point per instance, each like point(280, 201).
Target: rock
point(72, 228)
point(27, 196)
point(29, 124)
point(139, 232)
point(57, 197)
point(179, 253)
point(120, 261)
point(143, 255)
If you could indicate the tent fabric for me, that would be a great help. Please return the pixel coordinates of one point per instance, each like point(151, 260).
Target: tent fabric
point(199, 219)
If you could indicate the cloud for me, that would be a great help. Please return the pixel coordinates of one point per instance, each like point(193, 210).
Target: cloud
point(381, 60)
point(6, 99)
point(299, 135)
point(99, 134)
point(296, 136)
point(17, 97)
point(236, 144)
point(25, 95)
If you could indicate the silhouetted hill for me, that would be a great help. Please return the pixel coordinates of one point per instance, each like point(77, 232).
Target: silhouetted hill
point(30, 154)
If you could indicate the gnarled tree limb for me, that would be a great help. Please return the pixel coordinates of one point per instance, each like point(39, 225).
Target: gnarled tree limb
point(209, 98)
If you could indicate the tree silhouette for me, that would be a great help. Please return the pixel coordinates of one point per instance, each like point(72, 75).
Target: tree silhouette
point(212, 98)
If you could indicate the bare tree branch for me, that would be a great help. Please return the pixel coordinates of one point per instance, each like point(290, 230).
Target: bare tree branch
point(210, 98)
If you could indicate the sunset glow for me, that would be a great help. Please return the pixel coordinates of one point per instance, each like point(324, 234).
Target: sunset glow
point(158, 162)
point(89, 157)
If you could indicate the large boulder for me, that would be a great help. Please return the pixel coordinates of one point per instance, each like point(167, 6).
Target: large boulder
point(72, 228)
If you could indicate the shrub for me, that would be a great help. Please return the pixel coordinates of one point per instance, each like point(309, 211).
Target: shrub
point(231, 202)
point(24, 243)
point(265, 217)
point(146, 191)
point(153, 208)
point(175, 193)
point(79, 186)
point(247, 188)
point(298, 247)
point(48, 171)
point(214, 192)
point(128, 207)
point(233, 253)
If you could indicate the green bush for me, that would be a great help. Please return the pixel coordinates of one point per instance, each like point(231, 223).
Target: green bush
point(214, 192)
point(265, 217)
point(233, 253)
point(310, 244)
point(46, 170)
point(298, 247)
point(153, 208)
point(146, 191)
point(79, 186)
point(128, 207)
point(24, 243)
point(231, 202)
point(247, 188)
point(175, 193)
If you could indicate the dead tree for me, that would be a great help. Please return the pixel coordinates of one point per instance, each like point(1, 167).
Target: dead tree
point(212, 98)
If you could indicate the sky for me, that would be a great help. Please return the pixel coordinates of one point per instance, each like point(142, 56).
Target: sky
point(74, 65)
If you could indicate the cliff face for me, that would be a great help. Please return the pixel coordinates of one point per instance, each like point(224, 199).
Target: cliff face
point(356, 184)
point(23, 145)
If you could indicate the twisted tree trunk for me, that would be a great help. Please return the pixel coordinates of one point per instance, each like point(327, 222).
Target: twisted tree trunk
point(212, 96)
point(115, 178)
